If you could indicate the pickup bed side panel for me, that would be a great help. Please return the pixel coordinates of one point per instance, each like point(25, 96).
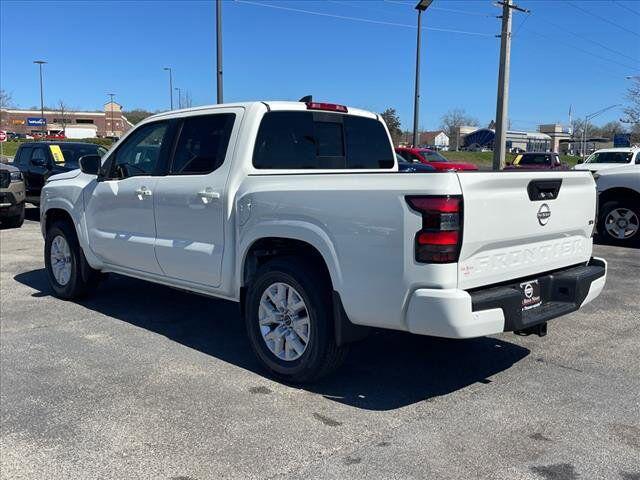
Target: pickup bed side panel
point(361, 225)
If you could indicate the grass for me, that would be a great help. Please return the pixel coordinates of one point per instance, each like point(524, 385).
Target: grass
point(485, 159)
point(9, 149)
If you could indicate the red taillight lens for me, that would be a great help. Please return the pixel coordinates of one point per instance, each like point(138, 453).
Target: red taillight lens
point(332, 107)
point(440, 238)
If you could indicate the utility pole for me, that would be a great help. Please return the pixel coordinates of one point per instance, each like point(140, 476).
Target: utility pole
point(170, 85)
point(219, 49)
point(502, 106)
point(40, 63)
point(421, 7)
point(179, 97)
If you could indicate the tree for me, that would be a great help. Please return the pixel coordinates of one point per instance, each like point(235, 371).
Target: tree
point(610, 129)
point(632, 110)
point(454, 119)
point(137, 115)
point(390, 117)
point(187, 101)
point(62, 108)
point(5, 99)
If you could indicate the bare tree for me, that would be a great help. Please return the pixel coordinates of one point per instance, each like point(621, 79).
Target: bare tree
point(187, 101)
point(5, 99)
point(452, 121)
point(390, 116)
point(64, 116)
point(632, 110)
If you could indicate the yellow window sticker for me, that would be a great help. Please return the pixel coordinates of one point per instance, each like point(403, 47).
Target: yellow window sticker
point(517, 160)
point(58, 157)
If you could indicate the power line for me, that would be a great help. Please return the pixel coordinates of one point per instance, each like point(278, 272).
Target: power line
point(626, 8)
point(358, 19)
point(452, 10)
point(601, 18)
point(580, 49)
point(583, 37)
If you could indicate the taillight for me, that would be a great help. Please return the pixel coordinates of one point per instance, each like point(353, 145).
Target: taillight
point(332, 107)
point(440, 238)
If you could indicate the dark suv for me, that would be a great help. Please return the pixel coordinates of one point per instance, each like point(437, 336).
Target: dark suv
point(537, 161)
point(39, 160)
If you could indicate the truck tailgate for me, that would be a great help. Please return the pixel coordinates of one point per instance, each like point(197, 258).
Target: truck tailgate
point(518, 224)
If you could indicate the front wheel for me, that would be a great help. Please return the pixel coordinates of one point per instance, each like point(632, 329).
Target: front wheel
point(70, 276)
point(15, 221)
point(620, 223)
point(289, 321)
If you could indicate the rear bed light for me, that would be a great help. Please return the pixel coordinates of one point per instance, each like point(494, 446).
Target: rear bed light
point(440, 238)
point(332, 107)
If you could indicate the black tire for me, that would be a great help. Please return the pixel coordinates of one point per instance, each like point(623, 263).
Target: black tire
point(605, 210)
point(322, 355)
point(15, 221)
point(83, 278)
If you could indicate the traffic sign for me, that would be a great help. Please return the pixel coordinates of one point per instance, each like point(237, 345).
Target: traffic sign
point(3, 136)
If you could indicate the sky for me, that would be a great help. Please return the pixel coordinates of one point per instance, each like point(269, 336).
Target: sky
point(354, 52)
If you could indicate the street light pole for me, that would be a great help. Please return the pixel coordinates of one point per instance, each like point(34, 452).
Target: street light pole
point(179, 97)
point(421, 7)
point(40, 63)
point(586, 122)
point(113, 127)
point(170, 86)
point(219, 49)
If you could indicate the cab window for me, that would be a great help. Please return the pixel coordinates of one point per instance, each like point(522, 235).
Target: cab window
point(141, 152)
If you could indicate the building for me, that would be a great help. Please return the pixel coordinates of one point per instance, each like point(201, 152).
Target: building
point(460, 132)
point(435, 139)
point(557, 133)
point(107, 123)
point(483, 138)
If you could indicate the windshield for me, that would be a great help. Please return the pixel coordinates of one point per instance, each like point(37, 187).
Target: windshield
point(610, 157)
point(432, 156)
point(72, 152)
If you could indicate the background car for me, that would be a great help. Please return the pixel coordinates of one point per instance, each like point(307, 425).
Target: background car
point(610, 158)
point(39, 160)
point(537, 161)
point(11, 196)
point(619, 204)
point(433, 158)
point(408, 167)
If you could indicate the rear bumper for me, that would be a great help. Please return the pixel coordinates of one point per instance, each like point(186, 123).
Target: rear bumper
point(457, 313)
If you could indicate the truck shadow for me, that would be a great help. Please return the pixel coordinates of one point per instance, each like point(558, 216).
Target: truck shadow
point(386, 371)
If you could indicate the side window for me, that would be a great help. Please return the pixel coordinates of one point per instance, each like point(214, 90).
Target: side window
point(38, 157)
point(140, 153)
point(638, 158)
point(23, 157)
point(202, 145)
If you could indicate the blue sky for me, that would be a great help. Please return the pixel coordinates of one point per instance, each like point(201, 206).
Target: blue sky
point(565, 53)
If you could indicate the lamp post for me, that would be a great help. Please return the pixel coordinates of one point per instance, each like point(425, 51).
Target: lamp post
point(170, 85)
point(40, 63)
point(113, 127)
point(421, 7)
point(179, 97)
point(586, 121)
point(219, 50)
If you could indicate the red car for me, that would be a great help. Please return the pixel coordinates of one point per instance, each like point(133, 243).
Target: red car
point(433, 158)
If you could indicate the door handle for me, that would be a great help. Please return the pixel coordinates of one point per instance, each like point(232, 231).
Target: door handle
point(208, 194)
point(143, 192)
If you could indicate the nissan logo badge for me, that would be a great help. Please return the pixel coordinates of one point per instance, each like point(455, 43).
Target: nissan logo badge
point(544, 212)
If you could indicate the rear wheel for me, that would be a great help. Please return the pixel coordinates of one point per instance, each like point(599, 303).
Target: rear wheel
point(289, 321)
point(70, 276)
point(620, 223)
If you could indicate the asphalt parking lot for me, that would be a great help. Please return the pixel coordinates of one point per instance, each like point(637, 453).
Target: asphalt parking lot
point(142, 381)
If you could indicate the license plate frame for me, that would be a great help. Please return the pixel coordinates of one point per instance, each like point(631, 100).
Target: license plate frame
point(531, 297)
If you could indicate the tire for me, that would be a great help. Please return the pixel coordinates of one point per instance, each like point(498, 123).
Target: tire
point(626, 233)
point(79, 278)
point(307, 283)
point(15, 221)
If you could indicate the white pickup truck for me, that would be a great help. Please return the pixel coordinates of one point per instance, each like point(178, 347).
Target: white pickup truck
point(297, 211)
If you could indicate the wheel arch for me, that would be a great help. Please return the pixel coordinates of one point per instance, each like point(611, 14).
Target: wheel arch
point(619, 194)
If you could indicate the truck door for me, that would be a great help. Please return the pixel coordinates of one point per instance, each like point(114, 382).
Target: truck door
point(190, 204)
point(38, 169)
point(120, 208)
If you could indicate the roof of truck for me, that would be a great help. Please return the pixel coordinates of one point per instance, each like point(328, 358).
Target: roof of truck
point(270, 104)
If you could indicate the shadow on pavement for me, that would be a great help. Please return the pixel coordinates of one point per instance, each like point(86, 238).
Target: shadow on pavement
point(386, 371)
point(32, 213)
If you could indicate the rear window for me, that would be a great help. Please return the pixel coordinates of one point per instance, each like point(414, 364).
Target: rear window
point(535, 159)
point(320, 140)
point(610, 157)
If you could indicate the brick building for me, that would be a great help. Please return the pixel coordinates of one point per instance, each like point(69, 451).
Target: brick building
point(77, 124)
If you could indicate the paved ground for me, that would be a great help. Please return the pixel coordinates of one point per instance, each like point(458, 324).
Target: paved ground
point(142, 381)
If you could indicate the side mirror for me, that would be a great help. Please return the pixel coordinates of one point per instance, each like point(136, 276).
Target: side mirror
point(38, 162)
point(90, 164)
